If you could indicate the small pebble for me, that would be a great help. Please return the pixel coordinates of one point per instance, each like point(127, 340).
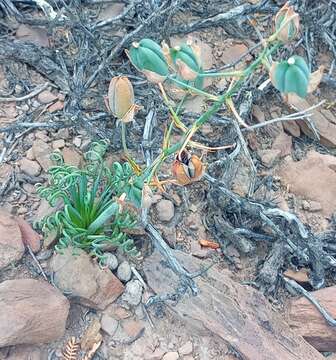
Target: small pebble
point(133, 293)
point(171, 355)
point(58, 144)
point(124, 271)
point(186, 349)
point(110, 260)
point(77, 141)
point(165, 210)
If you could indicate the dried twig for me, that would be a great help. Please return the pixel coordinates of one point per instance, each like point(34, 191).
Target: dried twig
point(300, 115)
point(299, 289)
point(106, 22)
point(37, 263)
point(35, 92)
point(48, 9)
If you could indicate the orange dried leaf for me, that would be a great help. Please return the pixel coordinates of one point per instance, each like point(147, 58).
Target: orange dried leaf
point(209, 244)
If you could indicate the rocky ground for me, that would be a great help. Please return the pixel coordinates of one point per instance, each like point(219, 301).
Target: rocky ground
point(61, 306)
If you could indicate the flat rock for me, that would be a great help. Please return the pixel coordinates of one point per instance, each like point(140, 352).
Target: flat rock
point(71, 157)
point(269, 157)
point(26, 352)
point(313, 178)
point(89, 285)
point(323, 119)
point(46, 97)
point(11, 245)
point(30, 167)
point(292, 128)
point(132, 328)
point(235, 314)
point(233, 52)
point(109, 324)
point(41, 151)
point(31, 312)
point(45, 209)
point(283, 142)
point(307, 321)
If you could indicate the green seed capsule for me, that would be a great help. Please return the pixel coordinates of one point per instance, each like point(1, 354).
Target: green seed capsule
point(291, 76)
point(148, 58)
point(186, 62)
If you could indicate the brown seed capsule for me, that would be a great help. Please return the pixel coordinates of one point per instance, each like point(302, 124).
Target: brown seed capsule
point(288, 21)
point(187, 168)
point(121, 99)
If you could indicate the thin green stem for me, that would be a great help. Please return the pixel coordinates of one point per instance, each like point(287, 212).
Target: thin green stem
point(211, 111)
point(123, 138)
point(179, 107)
point(179, 124)
point(193, 89)
point(222, 74)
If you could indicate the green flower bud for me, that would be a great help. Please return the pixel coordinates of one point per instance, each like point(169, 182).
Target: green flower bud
point(186, 62)
point(148, 58)
point(291, 76)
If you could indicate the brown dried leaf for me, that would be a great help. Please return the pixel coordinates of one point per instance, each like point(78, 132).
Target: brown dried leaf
point(91, 335)
point(315, 79)
point(209, 244)
point(71, 349)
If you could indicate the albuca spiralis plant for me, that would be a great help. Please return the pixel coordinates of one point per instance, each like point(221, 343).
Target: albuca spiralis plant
point(93, 215)
point(181, 65)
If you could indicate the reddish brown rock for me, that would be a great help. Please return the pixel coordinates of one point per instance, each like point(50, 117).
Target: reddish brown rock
point(75, 271)
point(11, 245)
point(71, 157)
point(31, 312)
point(313, 178)
point(283, 142)
point(292, 128)
point(307, 321)
point(42, 151)
point(269, 157)
point(30, 167)
point(29, 235)
point(132, 327)
point(233, 52)
point(234, 314)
